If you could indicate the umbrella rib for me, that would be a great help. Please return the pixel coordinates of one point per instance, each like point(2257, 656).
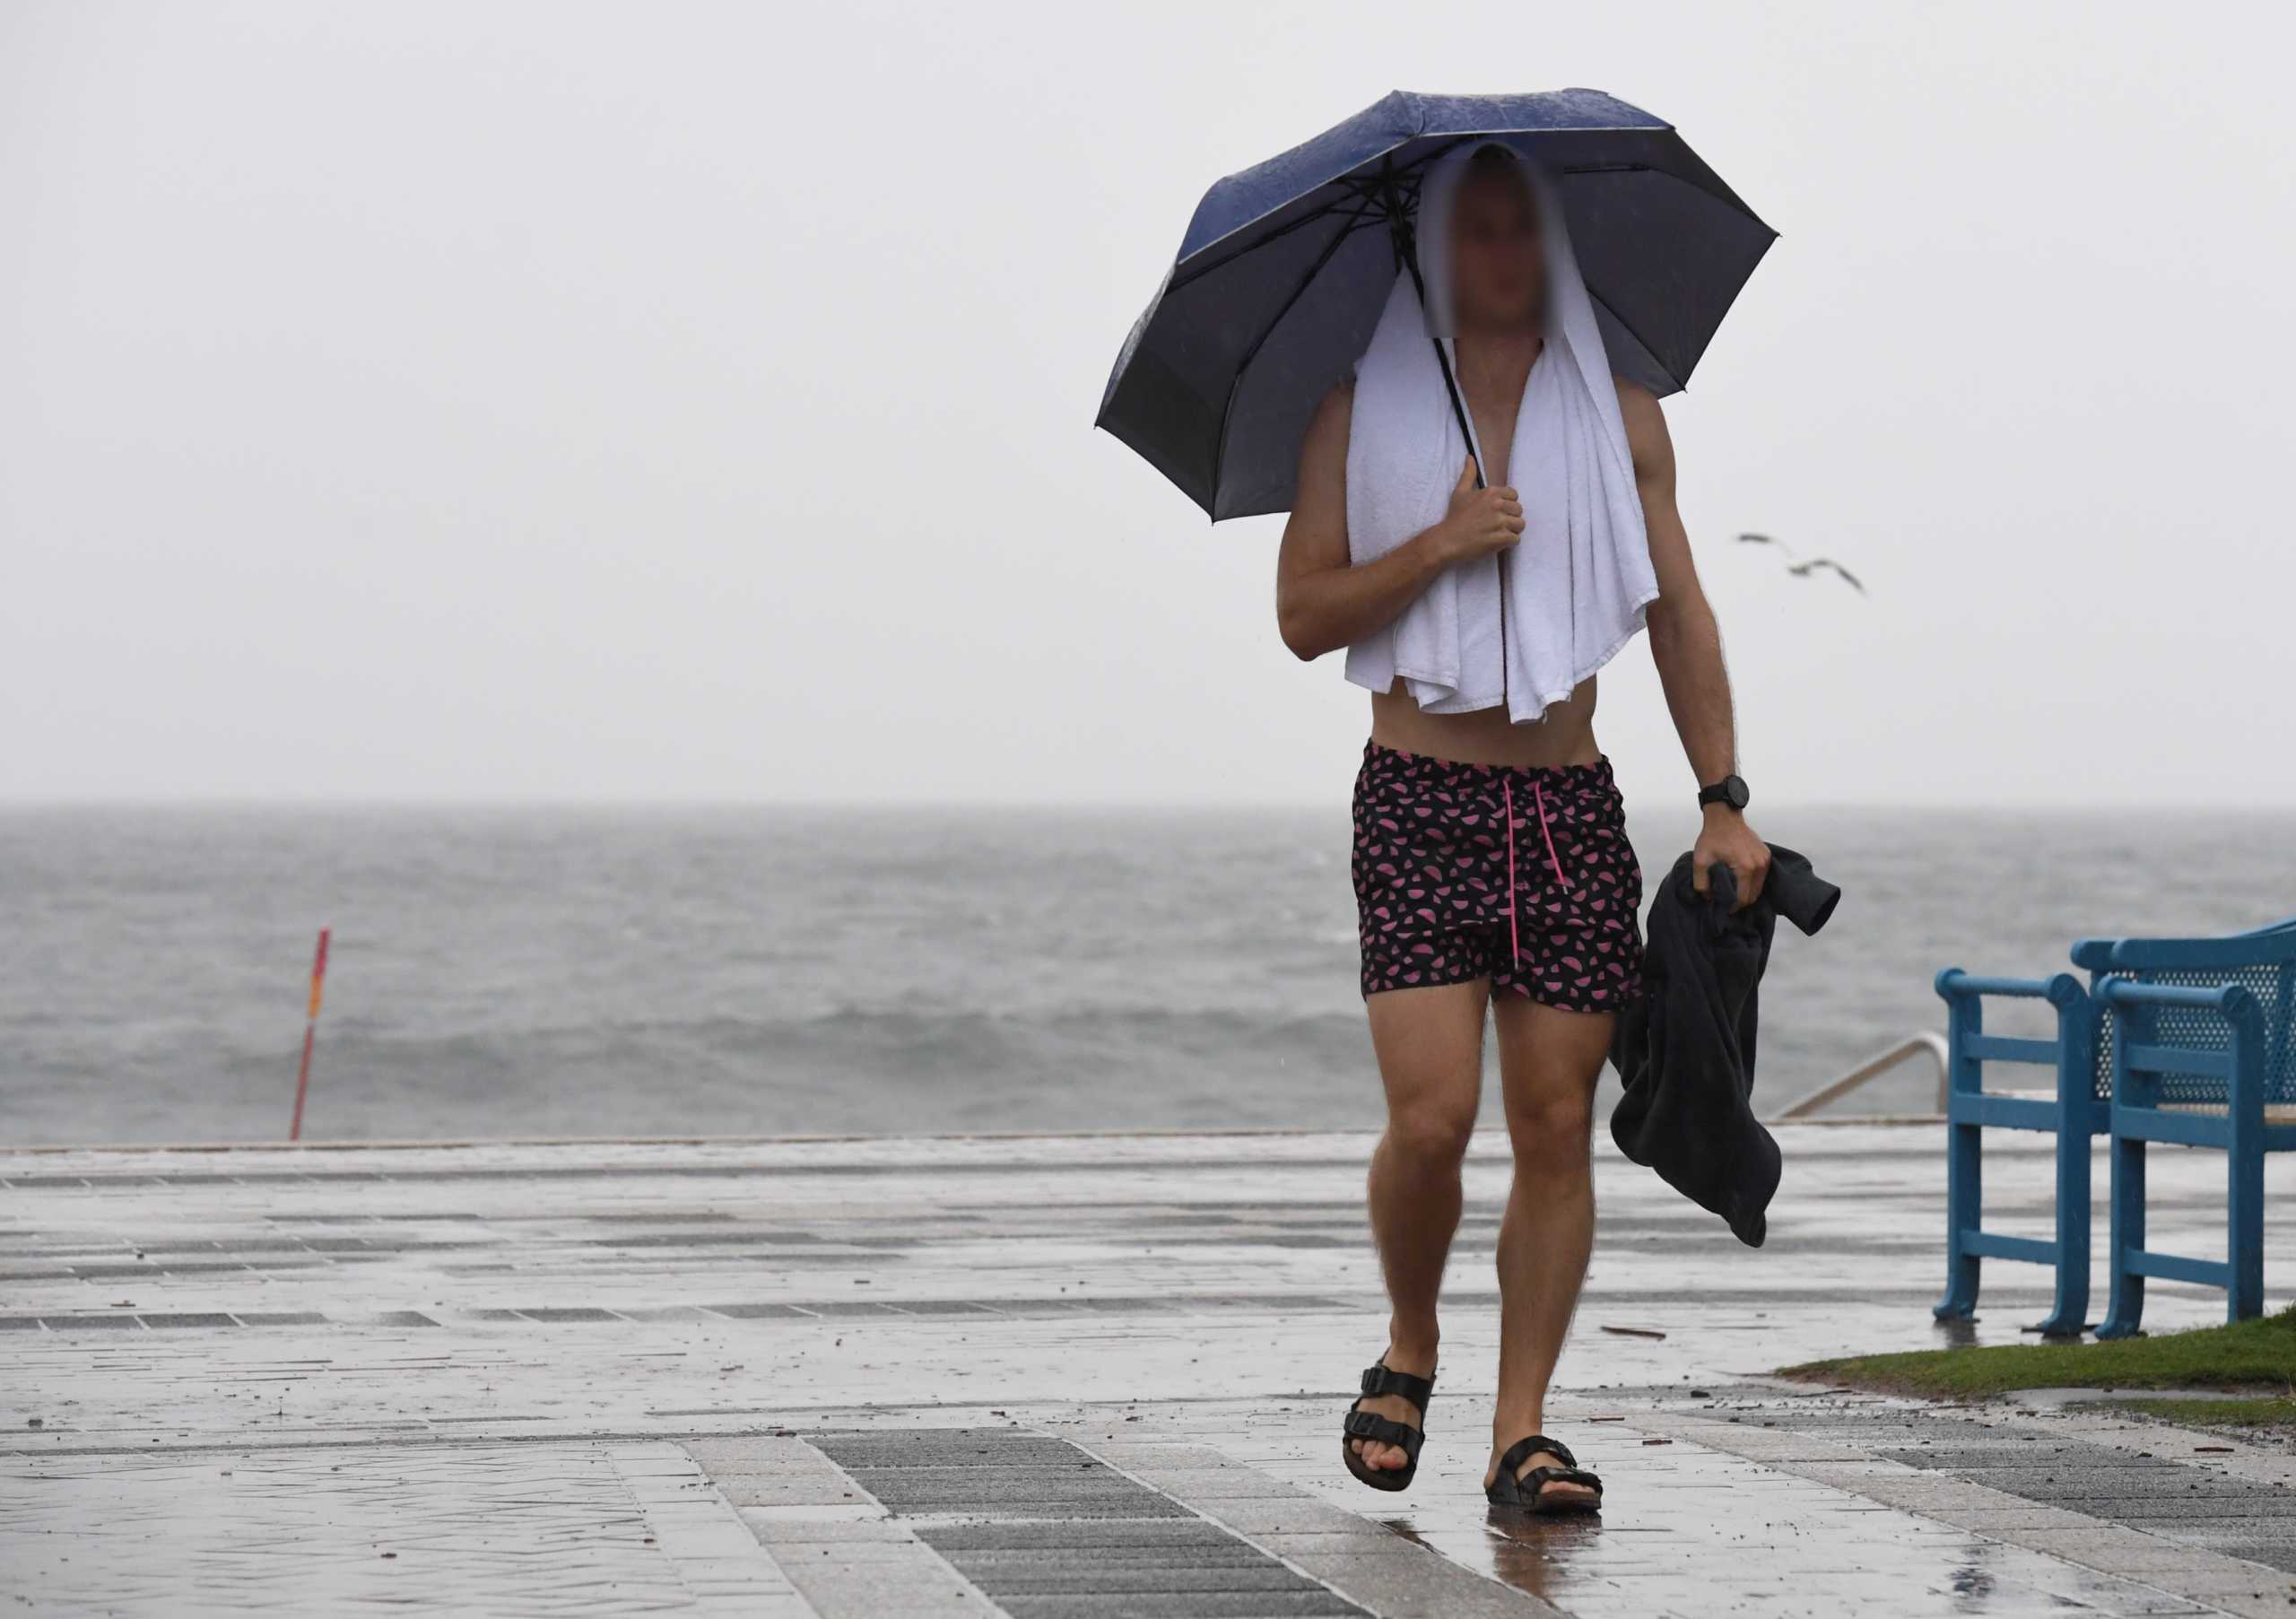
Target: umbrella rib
point(1367, 206)
point(1637, 336)
point(1236, 383)
point(1355, 205)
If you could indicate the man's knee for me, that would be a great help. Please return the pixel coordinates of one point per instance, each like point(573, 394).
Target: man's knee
point(1431, 1133)
point(1553, 1130)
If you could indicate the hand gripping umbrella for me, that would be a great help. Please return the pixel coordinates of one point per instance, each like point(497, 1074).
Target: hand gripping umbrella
point(1282, 275)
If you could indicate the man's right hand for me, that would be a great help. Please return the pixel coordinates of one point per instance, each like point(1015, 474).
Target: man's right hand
point(1480, 522)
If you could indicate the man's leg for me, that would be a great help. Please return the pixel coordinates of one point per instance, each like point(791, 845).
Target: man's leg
point(1430, 1046)
point(1549, 1060)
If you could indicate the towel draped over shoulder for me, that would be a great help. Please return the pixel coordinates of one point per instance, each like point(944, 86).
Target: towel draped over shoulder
point(1577, 584)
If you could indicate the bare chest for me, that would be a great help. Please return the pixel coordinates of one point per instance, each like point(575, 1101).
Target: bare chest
point(1493, 395)
point(1494, 411)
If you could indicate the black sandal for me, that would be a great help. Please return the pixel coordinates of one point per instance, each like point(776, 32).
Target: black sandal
point(1381, 1379)
point(1529, 1491)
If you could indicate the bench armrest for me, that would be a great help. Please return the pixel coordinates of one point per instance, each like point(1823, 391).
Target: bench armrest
point(2063, 990)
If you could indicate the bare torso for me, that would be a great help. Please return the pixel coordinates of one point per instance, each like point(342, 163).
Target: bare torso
point(1486, 736)
point(1566, 736)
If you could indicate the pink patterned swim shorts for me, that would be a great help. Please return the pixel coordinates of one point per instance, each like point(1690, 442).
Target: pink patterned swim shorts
point(1476, 871)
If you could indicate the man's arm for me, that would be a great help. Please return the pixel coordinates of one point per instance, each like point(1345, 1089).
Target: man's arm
point(1322, 603)
point(1686, 644)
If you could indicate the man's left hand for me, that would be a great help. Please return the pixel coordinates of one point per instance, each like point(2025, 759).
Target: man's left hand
point(1726, 840)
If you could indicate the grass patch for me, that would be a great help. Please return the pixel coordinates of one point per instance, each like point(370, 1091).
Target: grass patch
point(2247, 1354)
point(2272, 1412)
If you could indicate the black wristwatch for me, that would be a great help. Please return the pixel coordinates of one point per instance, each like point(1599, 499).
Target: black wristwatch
point(1730, 790)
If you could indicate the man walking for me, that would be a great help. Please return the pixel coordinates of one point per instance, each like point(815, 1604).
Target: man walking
point(1494, 877)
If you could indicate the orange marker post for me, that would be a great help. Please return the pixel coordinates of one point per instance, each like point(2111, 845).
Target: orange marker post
point(310, 1032)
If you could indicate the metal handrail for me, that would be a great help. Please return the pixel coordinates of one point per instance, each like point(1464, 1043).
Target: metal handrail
point(1881, 1062)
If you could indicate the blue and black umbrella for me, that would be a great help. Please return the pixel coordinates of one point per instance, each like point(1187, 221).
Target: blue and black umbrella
point(1282, 275)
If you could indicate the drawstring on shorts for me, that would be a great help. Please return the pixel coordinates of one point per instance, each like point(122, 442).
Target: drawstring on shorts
point(1514, 902)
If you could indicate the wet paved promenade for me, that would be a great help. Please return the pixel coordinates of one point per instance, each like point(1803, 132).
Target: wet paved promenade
point(1088, 1375)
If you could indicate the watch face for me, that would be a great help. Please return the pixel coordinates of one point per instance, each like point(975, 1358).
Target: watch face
point(1734, 789)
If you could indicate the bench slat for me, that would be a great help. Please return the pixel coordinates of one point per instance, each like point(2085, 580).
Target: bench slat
point(2010, 1048)
point(1992, 1245)
point(2180, 1059)
point(2175, 1267)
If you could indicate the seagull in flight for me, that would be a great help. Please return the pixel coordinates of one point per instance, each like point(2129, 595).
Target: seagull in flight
point(1801, 569)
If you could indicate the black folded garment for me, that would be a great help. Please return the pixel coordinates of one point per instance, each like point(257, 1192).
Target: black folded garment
point(1685, 1048)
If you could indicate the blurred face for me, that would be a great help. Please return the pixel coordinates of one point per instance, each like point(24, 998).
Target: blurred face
point(1497, 270)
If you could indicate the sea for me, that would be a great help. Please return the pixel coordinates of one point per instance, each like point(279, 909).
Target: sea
point(615, 971)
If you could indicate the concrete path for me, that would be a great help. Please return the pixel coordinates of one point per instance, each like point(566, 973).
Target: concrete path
point(1092, 1376)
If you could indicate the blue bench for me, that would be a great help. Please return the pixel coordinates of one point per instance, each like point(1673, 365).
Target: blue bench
point(2196, 1047)
point(2149, 1049)
point(2072, 1110)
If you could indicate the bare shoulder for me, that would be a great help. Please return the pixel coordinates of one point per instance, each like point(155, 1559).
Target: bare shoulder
point(1640, 408)
point(1333, 415)
point(1645, 427)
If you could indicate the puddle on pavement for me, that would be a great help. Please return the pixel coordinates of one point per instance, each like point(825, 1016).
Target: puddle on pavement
point(1706, 1533)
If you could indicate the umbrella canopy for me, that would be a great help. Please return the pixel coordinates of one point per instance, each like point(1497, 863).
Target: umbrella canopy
point(1281, 277)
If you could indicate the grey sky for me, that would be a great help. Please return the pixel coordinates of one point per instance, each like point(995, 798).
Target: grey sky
point(504, 401)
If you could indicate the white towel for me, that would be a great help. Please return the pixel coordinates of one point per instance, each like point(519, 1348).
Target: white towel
point(1579, 582)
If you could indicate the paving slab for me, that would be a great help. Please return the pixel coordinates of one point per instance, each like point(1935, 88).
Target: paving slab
point(1033, 1376)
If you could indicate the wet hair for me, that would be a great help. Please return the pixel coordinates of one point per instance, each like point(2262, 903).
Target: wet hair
point(1492, 162)
point(1490, 159)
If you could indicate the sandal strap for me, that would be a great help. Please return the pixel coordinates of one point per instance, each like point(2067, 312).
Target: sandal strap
point(1534, 1482)
point(1523, 1449)
point(1384, 1431)
point(1381, 1379)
